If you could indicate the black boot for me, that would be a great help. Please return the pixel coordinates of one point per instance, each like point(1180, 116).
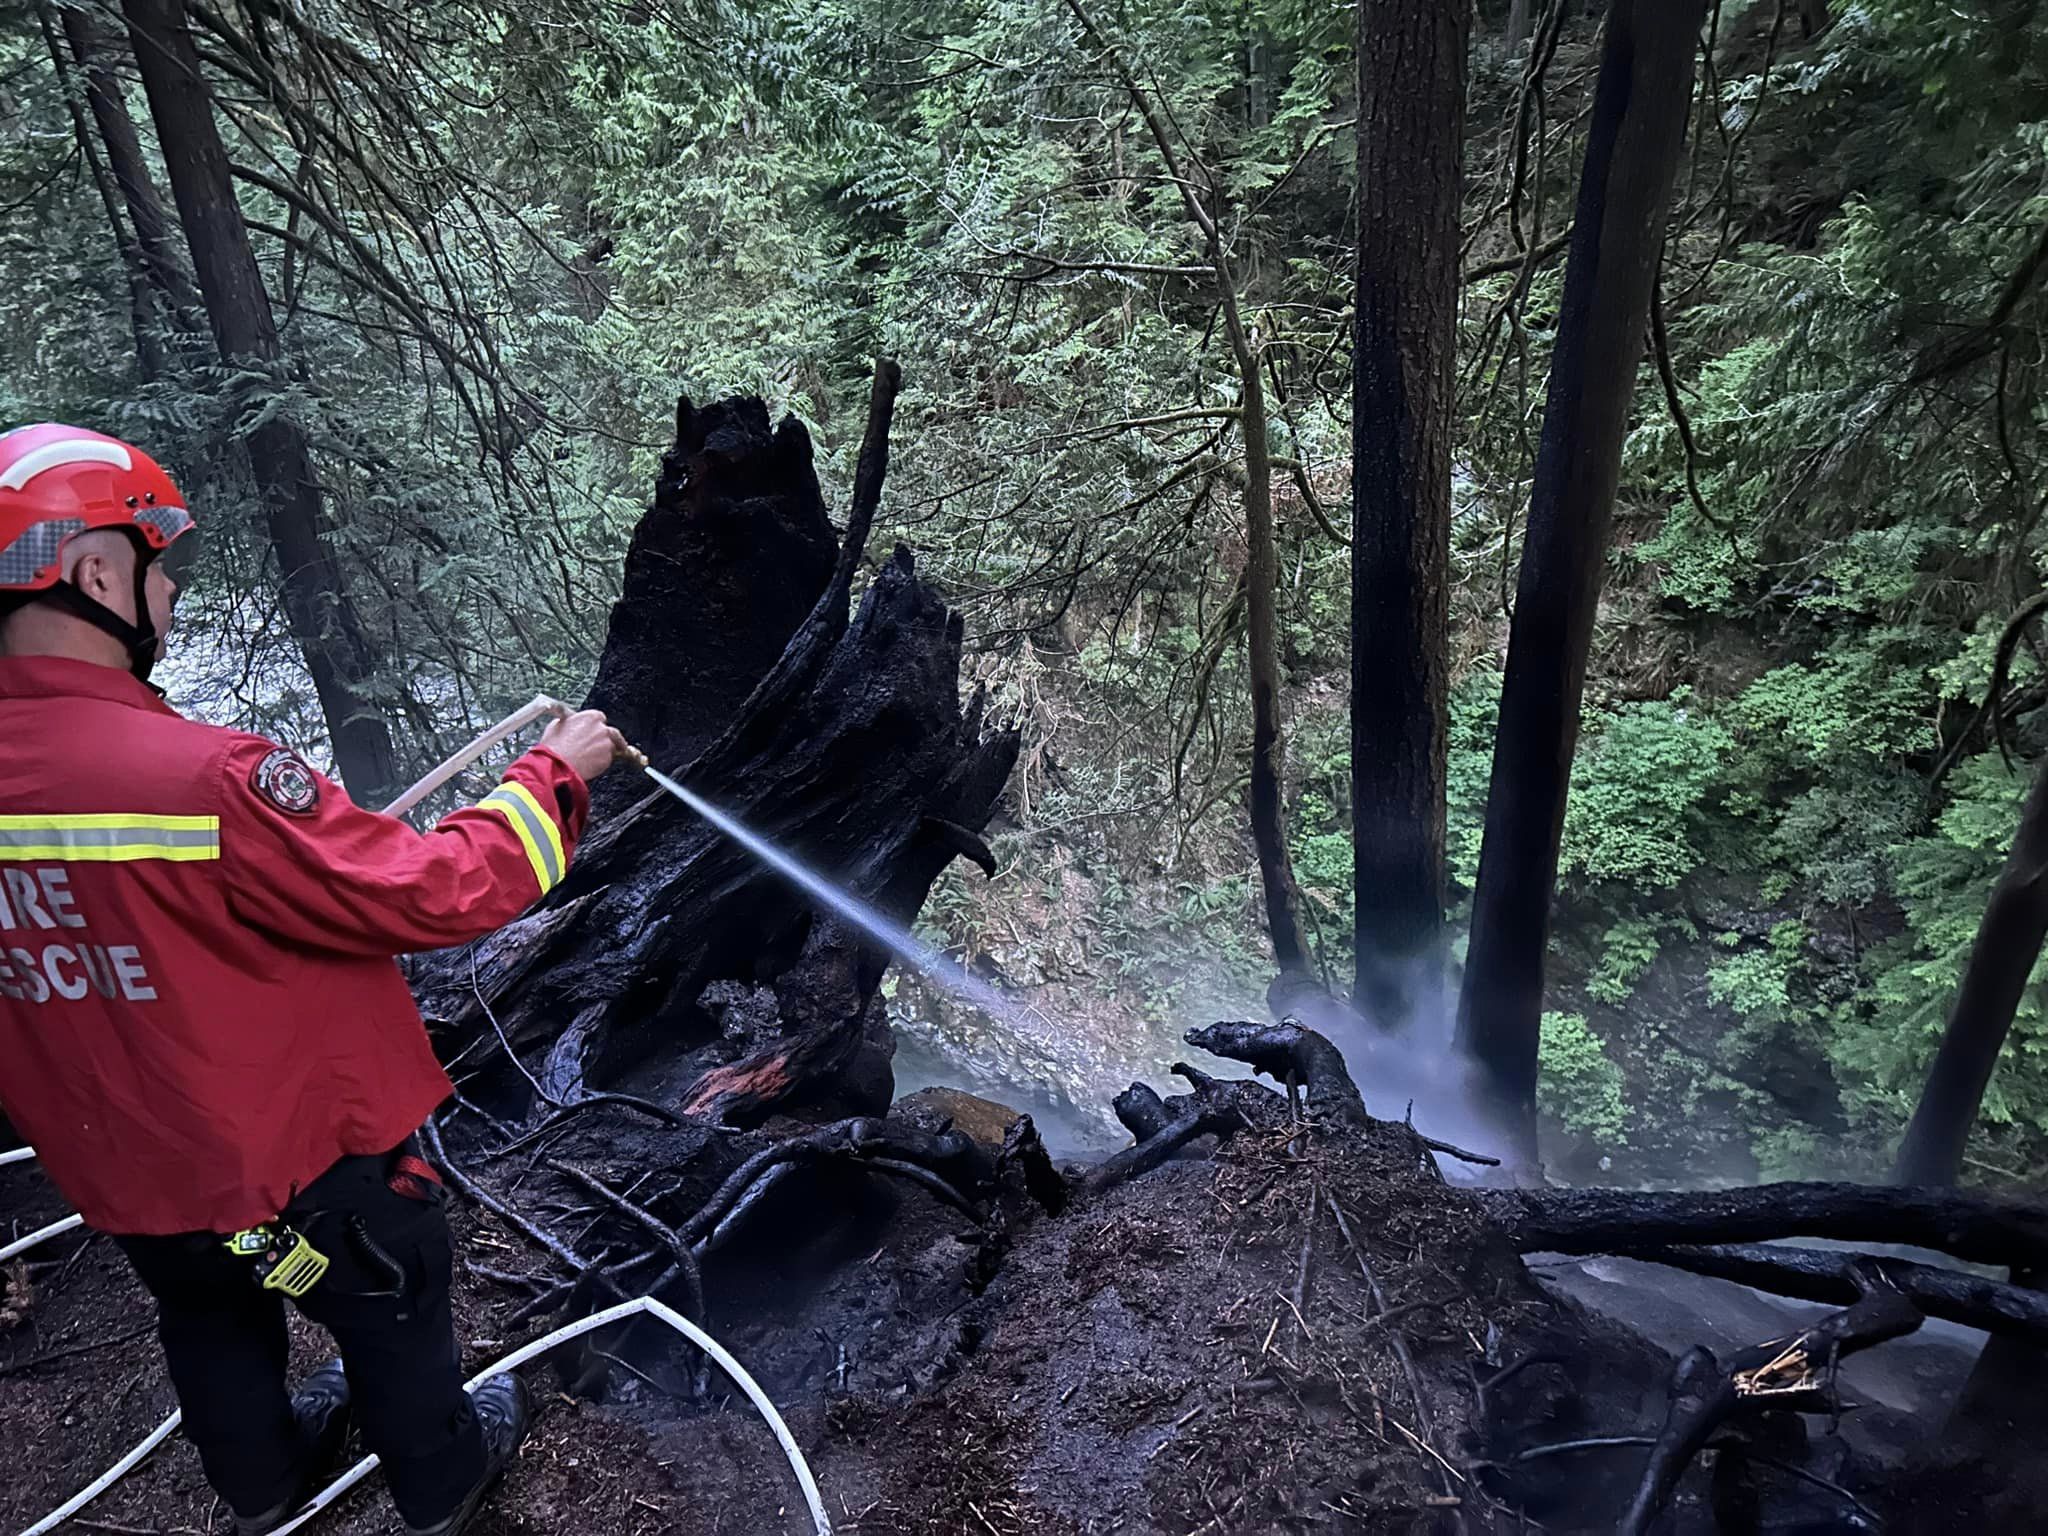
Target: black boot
point(502, 1408)
point(321, 1407)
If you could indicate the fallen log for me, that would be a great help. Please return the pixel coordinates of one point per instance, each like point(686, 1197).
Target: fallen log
point(1976, 1228)
point(1828, 1275)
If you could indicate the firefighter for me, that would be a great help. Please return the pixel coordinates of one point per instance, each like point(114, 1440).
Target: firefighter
point(203, 1030)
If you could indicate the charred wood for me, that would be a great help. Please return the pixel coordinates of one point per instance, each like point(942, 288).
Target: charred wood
point(844, 741)
point(1976, 1228)
point(1289, 1053)
point(1216, 1107)
point(1141, 1112)
point(733, 553)
point(1795, 1375)
point(1826, 1275)
point(1024, 1150)
point(950, 1157)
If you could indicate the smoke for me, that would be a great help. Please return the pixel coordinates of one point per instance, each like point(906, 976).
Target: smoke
point(1412, 1061)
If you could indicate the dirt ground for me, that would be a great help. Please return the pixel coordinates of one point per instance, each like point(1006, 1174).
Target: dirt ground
point(1198, 1353)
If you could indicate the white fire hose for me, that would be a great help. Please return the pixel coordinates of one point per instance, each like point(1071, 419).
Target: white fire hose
point(54, 1229)
point(642, 1306)
point(541, 708)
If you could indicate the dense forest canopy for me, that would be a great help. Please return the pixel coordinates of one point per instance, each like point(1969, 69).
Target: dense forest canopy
point(496, 241)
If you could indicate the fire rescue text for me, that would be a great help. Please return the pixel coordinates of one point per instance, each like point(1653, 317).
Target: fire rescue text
point(40, 900)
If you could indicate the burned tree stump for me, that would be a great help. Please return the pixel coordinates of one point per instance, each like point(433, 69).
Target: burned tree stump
point(731, 556)
point(669, 948)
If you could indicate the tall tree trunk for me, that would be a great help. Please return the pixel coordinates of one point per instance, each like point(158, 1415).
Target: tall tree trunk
point(1262, 564)
point(1262, 644)
point(2007, 946)
point(155, 238)
point(1518, 23)
point(323, 620)
point(1633, 147)
point(149, 359)
point(1411, 124)
point(2000, 1404)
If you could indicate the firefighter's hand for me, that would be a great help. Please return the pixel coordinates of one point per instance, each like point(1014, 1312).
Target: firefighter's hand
point(585, 742)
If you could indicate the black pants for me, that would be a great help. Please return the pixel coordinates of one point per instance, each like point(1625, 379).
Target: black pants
point(225, 1340)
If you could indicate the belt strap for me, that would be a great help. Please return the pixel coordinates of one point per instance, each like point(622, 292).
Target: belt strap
point(413, 1177)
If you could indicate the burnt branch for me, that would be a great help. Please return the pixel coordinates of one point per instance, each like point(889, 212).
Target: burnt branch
point(949, 1157)
point(1796, 1374)
point(1289, 1053)
point(1141, 1112)
point(1216, 1108)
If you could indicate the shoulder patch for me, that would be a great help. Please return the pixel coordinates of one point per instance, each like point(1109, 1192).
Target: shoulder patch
point(286, 782)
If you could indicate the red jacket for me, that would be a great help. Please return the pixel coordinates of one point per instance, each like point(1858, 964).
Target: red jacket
point(199, 1008)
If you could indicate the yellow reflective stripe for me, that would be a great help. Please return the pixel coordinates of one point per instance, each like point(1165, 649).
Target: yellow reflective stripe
point(558, 860)
point(109, 837)
point(536, 831)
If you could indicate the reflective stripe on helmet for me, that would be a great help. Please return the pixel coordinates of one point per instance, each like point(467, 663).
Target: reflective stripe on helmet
point(168, 522)
point(109, 838)
point(537, 831)
point(69, 450)
point(35, 549)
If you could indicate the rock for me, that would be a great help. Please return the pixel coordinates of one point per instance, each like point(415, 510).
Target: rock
point(982, 1121)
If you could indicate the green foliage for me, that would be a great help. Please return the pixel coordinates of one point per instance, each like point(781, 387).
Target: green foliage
point(1639, 796)
point(1581, 1087)
point(1627, 949)
point(1757, 983)
point(1475, 712)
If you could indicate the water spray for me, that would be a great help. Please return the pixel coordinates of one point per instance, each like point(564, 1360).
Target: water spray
point(898, 940)
point(910, 950)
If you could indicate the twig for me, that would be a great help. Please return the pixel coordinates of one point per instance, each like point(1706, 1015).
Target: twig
point(498, 1029)
point(679, 1251)
point(1308, 1248)
point(1660, 339)
point(431, 1134)
point(1816, 1480)
point(21, 1367)
point(927, 1179)
point(2001, 668)
point(588, 1101)
point(1458, 1152)
point(1591, 1443)
point(1522, 260)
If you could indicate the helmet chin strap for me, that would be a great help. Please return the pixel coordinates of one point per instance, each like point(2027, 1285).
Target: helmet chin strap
point(138, 639)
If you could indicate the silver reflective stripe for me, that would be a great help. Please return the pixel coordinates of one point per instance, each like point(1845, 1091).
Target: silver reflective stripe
point(536, 836)
point(168, 521)
point(109, 838)
point(23, 560)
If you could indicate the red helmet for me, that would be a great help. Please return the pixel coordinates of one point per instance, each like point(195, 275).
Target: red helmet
point(57, 482)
